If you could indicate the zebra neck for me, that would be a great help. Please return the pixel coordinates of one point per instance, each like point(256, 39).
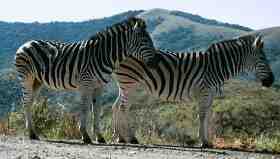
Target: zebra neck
point(226, 61)
point(118, 47)
point(111, 50)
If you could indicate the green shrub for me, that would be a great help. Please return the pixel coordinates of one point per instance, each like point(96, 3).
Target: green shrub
point(250, 111)
point(247, 115)
point(50, 123)
point(270, 143)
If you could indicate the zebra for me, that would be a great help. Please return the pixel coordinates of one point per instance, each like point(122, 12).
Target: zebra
point(84, 66)
point(183, 77)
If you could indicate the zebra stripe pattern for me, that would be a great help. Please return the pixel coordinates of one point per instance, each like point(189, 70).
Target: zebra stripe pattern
point(84, 66)
point(190, 76)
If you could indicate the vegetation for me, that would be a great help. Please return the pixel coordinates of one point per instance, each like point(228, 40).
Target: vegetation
point(202, 20)
point(50, 123)
point(247, 117)
point(172, 30)
point(15, 34)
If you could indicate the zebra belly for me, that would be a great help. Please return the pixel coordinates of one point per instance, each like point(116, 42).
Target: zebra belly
point(58, 83)
point(75, 83)
point(172, 98)
point(186, 97)
point(60, 86)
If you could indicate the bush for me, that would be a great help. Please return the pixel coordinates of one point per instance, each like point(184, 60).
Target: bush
point(246, 117)
point(250, 111)
point(51, 123)
point(270, 143)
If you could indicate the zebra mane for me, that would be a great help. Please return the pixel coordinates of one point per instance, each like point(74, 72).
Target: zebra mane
point(127, 24)
point(247, 39)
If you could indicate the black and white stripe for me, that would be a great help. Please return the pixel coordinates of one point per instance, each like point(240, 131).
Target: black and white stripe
point(190, 76)
point(85, 66)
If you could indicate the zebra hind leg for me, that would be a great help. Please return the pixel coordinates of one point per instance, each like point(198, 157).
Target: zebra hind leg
point(85, 103)
point(96, 125)
point(30, 89)
point(205, 103)
point(125, 129)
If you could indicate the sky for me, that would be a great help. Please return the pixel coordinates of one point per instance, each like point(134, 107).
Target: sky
point(256, 14)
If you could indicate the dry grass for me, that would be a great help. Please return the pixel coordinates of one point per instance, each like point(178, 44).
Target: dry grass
point(247, 118)
point(5, 129)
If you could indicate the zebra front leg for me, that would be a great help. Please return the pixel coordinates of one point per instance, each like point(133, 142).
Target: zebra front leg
point(85, 102)
point(205, 102)
point(122, 132)
point(96, 123)
point(31, 89)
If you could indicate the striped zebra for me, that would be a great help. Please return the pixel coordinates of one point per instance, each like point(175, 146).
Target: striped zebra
point(185, 77)
point(84, 66)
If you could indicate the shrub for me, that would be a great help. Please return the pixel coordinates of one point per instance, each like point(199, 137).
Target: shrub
point(246, 117)
point(51, 123)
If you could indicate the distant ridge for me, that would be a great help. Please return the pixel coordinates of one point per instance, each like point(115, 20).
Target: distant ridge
point(202, 20)
point(172, 30)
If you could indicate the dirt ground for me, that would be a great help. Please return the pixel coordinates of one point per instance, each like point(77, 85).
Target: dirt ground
point(23, 148)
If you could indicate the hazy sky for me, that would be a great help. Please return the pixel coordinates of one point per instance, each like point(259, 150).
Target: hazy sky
point(256, 14)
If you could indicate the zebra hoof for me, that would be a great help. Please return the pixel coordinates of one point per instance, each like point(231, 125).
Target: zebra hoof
point(86, 139)
point(206, 145)
point(33, 136)
point(134, 141)
point(101, 140)
point(121, 140)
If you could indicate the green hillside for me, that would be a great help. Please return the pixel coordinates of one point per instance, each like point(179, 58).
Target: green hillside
point(181, 33)
point(12, 35)
point(171, 30)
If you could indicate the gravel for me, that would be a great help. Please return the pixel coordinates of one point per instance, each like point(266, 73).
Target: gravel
point(23, 148)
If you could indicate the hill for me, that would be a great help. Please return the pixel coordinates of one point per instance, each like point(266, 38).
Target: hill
point(173, 30)
point(181, 31)
point(15, 34)
point(190, 31)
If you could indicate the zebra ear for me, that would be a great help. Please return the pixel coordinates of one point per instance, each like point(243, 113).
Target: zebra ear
point(95, 43)
point(258, 42)
point(135, 26)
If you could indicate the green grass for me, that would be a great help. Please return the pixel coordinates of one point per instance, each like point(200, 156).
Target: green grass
point(247, 117)
point(268, 143)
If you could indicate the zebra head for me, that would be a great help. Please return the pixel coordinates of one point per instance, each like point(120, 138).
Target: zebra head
point(260, 63)
point(140, 44)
